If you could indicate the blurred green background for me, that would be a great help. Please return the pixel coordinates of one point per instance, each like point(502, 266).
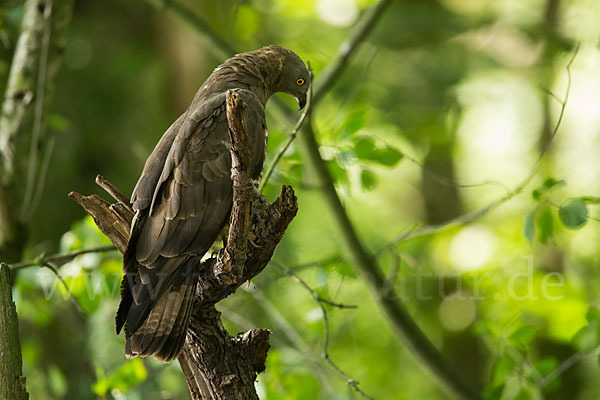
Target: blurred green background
point(444, 108)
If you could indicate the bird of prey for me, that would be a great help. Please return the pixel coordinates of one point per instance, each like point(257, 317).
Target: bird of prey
point(183, 199)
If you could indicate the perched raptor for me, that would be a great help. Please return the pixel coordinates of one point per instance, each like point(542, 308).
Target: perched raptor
point(183, 198)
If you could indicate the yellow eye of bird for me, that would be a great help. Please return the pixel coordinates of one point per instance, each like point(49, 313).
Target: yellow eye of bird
point(300, 81)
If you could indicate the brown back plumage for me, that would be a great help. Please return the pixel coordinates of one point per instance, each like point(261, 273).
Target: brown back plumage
point(183, 200)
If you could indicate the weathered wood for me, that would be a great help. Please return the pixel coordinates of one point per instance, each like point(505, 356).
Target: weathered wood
point(12, 383)
point(216, 365)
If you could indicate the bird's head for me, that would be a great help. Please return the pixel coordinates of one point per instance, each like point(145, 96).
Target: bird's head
point(295, 78)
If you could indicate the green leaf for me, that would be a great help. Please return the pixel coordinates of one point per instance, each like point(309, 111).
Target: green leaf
point(545, 225)
point(337, 172)
point(368, 180)
point(57, 381)
point(493, 393)
point(364, 147)
point(545, 367)
point(523, 336)
point(125, 377)
point(502, 370)
point(586, 338)
point(574, 213)
point(551, 182)
point(365, 150)
point(529, 228)
point(524, 394)
point(591, 199)
point(387, 156)
point(343, 268)
point(354, 123)
point(548, 184)
point(592, 316)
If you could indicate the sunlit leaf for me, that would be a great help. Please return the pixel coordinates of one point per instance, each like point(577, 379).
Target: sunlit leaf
point(354, 123)
point(364, 147)
point(548, 184)
point(529, 228)
point(586, 338)
point(545, 225)
point(337, 172)
point(523, 336)
point(502, 369)
point(574, 213)
point(368, 180)
point(125, 377)
point(387, 156)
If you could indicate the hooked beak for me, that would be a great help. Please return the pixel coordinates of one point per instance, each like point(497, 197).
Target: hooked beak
point(301, 101)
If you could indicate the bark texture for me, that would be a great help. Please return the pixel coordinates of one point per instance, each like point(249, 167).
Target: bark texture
point(12, 383)
point(216, 365)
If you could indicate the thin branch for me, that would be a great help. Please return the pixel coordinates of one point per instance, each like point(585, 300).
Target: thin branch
point(293, 133)
point(59, 258)
point(72, 298)
point(565, 365)
point(362, 29)
point(293, 336)
point(325, 350)
point(450, 182)
point(316, 296)
point(471, 217)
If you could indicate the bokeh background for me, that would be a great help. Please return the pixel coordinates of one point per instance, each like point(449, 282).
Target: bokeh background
point(444, 109)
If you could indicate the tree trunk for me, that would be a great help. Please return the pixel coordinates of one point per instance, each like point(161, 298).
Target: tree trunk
point(36, 61)
point(12, 383)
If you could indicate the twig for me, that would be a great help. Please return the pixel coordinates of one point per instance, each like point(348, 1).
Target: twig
point(450, 182)
point(316, 296)
point(59, 258)
point(325, 350)
point(112, 190)
point(293, 133)
point(362, 29)
point(72, 298)
point(564, 366)
point(471, 217)
point(293, 336)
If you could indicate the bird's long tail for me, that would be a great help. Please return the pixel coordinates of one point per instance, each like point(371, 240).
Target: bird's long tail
point(156, 318)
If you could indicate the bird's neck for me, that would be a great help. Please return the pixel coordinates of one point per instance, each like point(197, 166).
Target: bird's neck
point(257, 74)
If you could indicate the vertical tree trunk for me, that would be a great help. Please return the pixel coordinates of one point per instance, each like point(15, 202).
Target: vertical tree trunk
point(12, 383)
point(36, 61)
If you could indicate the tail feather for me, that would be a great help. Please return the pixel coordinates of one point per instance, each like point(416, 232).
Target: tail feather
point(158, 328)
point(172, 344)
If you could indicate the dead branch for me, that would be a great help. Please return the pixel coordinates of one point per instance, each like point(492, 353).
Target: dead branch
point(215, 364)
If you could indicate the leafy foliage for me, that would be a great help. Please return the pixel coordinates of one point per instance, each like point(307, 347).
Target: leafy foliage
point(453, 87)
